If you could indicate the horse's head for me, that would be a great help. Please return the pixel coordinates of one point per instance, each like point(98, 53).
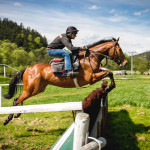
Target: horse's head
point(116, 53)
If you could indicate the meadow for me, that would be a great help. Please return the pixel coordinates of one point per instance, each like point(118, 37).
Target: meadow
point(128, 125)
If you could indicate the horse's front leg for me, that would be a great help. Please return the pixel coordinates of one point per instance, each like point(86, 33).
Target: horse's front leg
point(101, 75)
point(112, 84)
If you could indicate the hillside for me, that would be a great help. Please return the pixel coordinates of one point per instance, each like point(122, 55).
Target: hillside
point(145, 55)
point(24, 37)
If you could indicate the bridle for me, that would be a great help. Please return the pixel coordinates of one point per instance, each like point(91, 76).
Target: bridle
point(116, 59)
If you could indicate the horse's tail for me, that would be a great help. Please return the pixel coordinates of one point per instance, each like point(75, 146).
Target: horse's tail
point(12, 85)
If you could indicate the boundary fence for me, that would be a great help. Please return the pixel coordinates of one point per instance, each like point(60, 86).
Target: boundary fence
point(4, 67)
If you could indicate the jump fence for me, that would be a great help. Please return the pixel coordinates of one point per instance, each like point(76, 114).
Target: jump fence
point(77, 133)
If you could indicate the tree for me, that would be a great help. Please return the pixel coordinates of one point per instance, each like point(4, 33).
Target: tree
point(32, 58)
point(23, 37)
point(6, 49)
point(38, 42)
point(20, 57)
point(1, 58)
point(113, 66)
point(30, 38)
point(140, 64)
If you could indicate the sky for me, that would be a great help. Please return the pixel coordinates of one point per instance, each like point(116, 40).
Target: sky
point(95, 20)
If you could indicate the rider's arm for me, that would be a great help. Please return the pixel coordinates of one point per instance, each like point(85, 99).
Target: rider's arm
point(68, 44)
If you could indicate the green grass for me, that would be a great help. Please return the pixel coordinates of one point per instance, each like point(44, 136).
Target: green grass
point(128, 128)
point(4, 80)
point(34, 130)
point(133, 91)
point(128, 124)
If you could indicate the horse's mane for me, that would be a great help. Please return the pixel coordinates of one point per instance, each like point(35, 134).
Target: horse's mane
point(100, 42)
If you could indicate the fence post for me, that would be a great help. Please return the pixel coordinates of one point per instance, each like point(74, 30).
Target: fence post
point(81, 129)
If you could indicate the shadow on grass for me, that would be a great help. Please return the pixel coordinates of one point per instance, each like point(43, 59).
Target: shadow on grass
point(121, 131)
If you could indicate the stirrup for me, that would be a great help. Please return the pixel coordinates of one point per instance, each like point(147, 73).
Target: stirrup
point(72, 74)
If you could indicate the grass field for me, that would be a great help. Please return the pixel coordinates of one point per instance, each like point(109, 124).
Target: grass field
point(128, 126)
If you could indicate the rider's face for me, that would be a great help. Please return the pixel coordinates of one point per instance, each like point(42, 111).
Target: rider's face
point(73, 36)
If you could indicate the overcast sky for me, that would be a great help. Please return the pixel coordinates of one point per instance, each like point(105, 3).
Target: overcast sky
point(95, 19)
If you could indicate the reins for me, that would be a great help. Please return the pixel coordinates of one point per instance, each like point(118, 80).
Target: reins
point(105, 56)
point(92, 52)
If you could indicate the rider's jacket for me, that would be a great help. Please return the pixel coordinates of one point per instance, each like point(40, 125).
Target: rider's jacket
point(62, 41)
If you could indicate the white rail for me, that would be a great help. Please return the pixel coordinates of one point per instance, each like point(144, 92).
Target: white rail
point(42, 108)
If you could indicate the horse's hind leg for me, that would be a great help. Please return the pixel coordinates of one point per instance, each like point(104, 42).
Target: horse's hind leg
point(10, 117)
point(19, 101)
point(18, 115)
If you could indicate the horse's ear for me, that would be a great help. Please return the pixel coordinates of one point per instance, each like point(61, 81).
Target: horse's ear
point(117, 40)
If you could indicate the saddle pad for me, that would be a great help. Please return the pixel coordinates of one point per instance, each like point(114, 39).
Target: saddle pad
point(58, 66)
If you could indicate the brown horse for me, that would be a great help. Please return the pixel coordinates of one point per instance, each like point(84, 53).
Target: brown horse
point(35, 78)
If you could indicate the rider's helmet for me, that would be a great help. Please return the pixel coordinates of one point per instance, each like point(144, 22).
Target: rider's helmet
point(71, 30)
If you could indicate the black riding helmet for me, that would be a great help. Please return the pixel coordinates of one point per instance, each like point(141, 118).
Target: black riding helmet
point(71, 30)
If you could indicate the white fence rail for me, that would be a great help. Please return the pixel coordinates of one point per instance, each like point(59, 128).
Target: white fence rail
point(38, 108)
point(42, 108)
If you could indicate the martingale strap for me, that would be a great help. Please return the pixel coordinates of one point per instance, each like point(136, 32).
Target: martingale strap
point(76, 82)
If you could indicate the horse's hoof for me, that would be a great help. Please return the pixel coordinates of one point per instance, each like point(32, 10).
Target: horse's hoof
point(5, 122)
point(17, 116)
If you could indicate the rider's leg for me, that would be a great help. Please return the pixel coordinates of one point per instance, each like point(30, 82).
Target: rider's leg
point(66, 55)
point(61, 53)
point(68, 65)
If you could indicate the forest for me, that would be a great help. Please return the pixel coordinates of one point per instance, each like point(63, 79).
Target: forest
point(21, 47)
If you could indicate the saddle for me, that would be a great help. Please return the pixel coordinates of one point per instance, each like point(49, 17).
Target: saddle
point(58, 65)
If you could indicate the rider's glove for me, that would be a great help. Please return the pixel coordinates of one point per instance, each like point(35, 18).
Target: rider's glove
point(84, 48)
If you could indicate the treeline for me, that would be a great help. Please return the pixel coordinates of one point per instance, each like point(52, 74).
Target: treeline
point(21, 46)
point(13, 55)
point(27, 38)
point(140, 64)
point(144, 55)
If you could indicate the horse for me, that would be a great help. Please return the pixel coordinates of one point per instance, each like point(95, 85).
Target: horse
point(35, 78)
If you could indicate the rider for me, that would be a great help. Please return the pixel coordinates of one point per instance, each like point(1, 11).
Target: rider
point(55, 48)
